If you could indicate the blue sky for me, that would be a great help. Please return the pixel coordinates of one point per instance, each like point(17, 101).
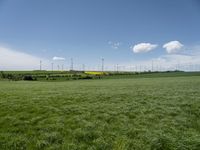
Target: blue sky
point(91, 29)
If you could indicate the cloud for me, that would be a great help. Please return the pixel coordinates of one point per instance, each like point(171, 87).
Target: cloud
point(143, 47)
point(58, 58)
point(187, 60)
point(173, 47)
point(162, 63)
point(14, 60)
point(115, 45)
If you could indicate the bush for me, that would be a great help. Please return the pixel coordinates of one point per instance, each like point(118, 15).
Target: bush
point(85, 77)
point(2, 75)
point(28, 77)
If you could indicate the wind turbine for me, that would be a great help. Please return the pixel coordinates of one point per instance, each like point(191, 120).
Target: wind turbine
point(102, 63)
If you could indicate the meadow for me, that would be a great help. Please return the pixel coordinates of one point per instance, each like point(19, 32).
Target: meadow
point(157, 113)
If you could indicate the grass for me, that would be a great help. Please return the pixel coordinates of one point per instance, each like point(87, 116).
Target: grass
point(119, 114)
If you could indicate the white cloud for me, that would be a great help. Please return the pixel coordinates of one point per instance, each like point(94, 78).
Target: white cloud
point(143, 47)
point(161, 63)
point(173, 46)
point(183, 61)
point(58, 58)
point(187, 60)
point(114, 45)
point(15, 60)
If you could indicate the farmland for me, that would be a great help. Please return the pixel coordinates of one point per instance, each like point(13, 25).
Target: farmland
point(153, 111)
point(81, 75)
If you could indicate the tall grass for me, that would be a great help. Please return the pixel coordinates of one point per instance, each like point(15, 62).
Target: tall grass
point(140, 113)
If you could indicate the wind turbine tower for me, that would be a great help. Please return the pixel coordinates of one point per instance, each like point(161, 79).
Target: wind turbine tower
point(40, 65)
point(51, 66)
point(102, 63)
point(72, 64)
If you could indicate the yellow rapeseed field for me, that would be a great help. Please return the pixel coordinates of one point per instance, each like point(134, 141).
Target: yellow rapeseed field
point(94, 73)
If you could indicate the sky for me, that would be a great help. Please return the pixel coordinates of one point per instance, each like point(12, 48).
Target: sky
point(130, 33)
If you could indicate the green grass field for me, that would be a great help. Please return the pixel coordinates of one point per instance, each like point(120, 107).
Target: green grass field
point(160, 113)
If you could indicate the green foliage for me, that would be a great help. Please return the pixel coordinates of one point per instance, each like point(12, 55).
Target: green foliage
point(28, 77)
point(119, 114)
point(78, 75)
